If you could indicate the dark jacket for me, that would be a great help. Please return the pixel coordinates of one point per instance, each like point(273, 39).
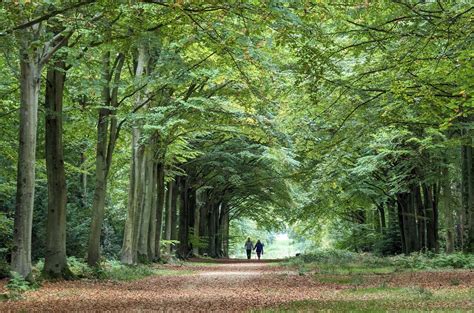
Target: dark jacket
point(259, 247)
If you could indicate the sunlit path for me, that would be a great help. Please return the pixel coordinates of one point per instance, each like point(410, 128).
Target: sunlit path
point(227, 285)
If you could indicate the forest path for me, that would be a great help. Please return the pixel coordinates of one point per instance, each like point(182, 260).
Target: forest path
point(226, 285)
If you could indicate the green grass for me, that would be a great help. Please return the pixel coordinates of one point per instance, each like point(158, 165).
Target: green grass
point(355, 274)
point(351, 268)
point(363, 306)
point(383, 299)
point(339, 280)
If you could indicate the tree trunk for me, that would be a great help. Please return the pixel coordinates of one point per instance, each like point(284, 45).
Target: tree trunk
point(213, 218)
point(132, 225)
point(467, 189)
point(143, 255)
point(83, 181)
point(225, 230)
point(196, 222)
point(152, 226)
point(421, 216)
point(174, 211)
point(414, 240)
point(30, 75)
point(204, 222)
point(183, 247)
point(381, 217)
point(168, 216)
point(55, 258)
point(431, 218)
point(160, 177)
point(139, 199)
point(401, 221)
point(107, 134)
point(221, 230)
point(448, 211)
point(98, 200)
point(127, 255)
point(409, 231)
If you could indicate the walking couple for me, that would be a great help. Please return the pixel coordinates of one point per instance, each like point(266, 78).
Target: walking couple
point(249, 247)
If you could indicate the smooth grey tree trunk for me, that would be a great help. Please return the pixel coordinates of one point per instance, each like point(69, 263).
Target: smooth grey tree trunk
point(448, 213)
point(147, 207)
point(132, 224)
point(55, 258)
point(174, 211)
point(106, 140)
point(152, 226)
point(183, 247)
point(168, 215)
point(30, 76)
point(160, 181)
point(225, 230)
point(138, 200)
point(196, 222)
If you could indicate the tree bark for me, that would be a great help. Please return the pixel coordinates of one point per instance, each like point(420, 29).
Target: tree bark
point(133, 222)
point(30, 76)
point(467, 189)
point(168, 215)
point(174, 211)
point(196, 222)
point(421, 216)
point(431, 218)
point(160, 177)
point(225, 230)
point(401, 221)
point(213, 218)
point(183, 247)
point(152, 224)
point(381, 217)
point(55, 258)
point(448, 211)
point(409, 230)
point(128, 255)
point(107, 134)
point(143, 245)
point(204, 222)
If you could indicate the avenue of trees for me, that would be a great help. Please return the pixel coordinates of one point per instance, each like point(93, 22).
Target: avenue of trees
point(139, 129)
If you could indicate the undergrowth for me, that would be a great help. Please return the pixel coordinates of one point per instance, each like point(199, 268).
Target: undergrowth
point(108, 270)
point(347, 263)
point(17, 286)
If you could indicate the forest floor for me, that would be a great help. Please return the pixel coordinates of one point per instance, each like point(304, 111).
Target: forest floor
point(241, 285)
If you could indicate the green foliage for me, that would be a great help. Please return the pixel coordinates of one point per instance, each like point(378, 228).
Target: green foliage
point(108, 270)
point(311, 115)
point(114, 270)
point(345, 262)
point(17, 285)
point(432, 261)
point(6, 238)
point(173, 243)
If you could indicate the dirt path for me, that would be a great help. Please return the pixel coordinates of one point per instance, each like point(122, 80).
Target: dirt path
point(224, 286)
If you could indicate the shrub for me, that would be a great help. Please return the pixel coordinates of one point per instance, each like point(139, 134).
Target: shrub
point(416, 261)
point(17, 285)
point(6, 238)
point(433, 261)
point(114, 270)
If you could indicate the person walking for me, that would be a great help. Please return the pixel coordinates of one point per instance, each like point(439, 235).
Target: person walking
point(248, 247)
point(259, 248)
